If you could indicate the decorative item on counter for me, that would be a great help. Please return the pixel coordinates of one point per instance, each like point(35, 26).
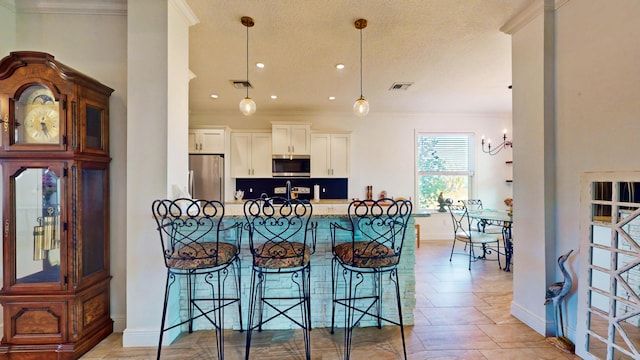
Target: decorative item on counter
point(383, 194)
point(443, 202)
point(509, 202)
point(369, 192)
point(238, 195)
point(316, 192)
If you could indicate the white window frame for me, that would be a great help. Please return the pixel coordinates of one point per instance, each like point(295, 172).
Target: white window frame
point(470, 173)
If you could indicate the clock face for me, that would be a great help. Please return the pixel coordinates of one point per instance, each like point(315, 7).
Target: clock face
point(41, 125)
point(37, 116)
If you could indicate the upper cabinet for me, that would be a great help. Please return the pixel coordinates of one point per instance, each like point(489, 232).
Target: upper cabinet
point(330, 154)
point(206, 141)
point(290, 139)
point(250, 154)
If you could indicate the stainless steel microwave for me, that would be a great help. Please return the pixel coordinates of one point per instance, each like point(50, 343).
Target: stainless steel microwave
point(291, 166)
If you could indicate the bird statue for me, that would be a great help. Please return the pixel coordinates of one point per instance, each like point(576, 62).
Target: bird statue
point(555, 294)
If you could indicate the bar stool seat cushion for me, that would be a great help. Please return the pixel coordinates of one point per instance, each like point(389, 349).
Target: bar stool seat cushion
point(202, 255)
point(281, 255)
point(368, 254)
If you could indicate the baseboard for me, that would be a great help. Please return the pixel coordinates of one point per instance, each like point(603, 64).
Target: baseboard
point(148, 337)
point(119, 323)
point(535, 322)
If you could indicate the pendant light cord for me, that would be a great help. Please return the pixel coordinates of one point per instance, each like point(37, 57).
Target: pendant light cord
point(361, 63)
point(248, 62)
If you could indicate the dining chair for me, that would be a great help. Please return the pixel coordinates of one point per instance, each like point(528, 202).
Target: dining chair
point(202, 247)
point(481, 225)
point(364, 249)
point(281, 238)
point(462, 231)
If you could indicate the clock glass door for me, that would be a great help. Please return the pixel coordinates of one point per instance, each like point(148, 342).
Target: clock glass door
point(37, 116)
point(37, 217)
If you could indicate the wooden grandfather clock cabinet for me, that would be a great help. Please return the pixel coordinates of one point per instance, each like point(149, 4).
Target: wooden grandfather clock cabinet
point(55, 209)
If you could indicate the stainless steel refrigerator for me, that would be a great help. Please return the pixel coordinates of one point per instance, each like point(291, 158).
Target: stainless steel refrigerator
point(206, 177)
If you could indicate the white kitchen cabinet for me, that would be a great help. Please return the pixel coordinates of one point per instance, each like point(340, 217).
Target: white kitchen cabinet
point(250, 154)
point(330, 154)
point(206, 141)
point(290, 139)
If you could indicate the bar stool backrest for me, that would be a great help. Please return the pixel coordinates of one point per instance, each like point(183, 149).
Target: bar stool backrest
point(189, 233)
point(379, 229)
point(279, 229)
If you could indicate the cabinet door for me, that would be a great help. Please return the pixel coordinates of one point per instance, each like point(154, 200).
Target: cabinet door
point(212, 141)
point(35, 225)
point(340, 153)
point(260, 155)
point(299, 139)
point(290, 139)
point(280, 139)
point(206, 141)
point(193, 141)
point(240, 154)
point(320, 155)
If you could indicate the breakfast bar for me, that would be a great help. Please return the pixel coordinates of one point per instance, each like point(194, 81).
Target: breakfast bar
point(325, 212)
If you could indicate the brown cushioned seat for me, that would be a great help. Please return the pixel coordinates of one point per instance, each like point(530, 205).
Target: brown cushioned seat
point(367, 254)
point(282, 255)
point(202, 255)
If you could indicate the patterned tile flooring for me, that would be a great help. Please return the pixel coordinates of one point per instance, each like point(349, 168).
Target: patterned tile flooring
point(460, 314)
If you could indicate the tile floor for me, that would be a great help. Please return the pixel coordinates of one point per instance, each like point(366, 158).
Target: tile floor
point(460, 314)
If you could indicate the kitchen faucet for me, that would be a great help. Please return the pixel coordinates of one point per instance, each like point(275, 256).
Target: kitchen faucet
point(288, 189)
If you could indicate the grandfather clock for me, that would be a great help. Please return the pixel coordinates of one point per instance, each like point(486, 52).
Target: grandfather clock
point(55, 208)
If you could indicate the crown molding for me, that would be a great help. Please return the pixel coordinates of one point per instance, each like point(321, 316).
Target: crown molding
point(186, 11)
point(533, 10)
point(9, 4)
point(84, 7)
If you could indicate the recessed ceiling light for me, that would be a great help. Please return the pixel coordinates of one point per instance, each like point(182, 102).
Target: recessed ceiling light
point(214, 96)
point(274, 96)
point(332, 97)
point(340, 66)
point(260, 65)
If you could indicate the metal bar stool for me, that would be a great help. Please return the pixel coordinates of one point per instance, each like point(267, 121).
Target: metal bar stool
point(282, 239)
point(195, 246)
point(371, 247)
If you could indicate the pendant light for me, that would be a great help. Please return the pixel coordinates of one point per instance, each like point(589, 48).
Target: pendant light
point(247, 106)
point(361, 106)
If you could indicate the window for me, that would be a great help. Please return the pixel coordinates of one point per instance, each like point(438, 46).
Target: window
point(444, 166)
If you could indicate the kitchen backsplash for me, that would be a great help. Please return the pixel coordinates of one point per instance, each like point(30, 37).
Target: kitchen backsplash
point(329, 188)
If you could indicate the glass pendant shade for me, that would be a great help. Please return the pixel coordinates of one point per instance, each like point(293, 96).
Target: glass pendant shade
point(248, 107)
point(361, 107)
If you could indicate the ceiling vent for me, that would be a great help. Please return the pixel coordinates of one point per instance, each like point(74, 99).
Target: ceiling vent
point(400, 86)
point(241, 84)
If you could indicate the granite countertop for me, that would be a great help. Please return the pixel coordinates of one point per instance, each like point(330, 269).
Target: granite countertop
point(322, 207)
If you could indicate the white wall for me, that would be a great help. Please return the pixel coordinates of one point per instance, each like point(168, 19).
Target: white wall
point(529, 280)
point(598, 109)
point(146, 163)
point(596, 127)
point(157, 38)
point(7, 27)
point(107, 64)
point(180, 18)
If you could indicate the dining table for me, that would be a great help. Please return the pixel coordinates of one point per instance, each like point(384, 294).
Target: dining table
point(500, 218)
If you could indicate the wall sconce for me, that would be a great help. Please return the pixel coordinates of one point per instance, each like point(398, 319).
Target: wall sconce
point(496, 149)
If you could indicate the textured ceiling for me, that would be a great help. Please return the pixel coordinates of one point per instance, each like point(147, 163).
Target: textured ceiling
point(451, 50)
